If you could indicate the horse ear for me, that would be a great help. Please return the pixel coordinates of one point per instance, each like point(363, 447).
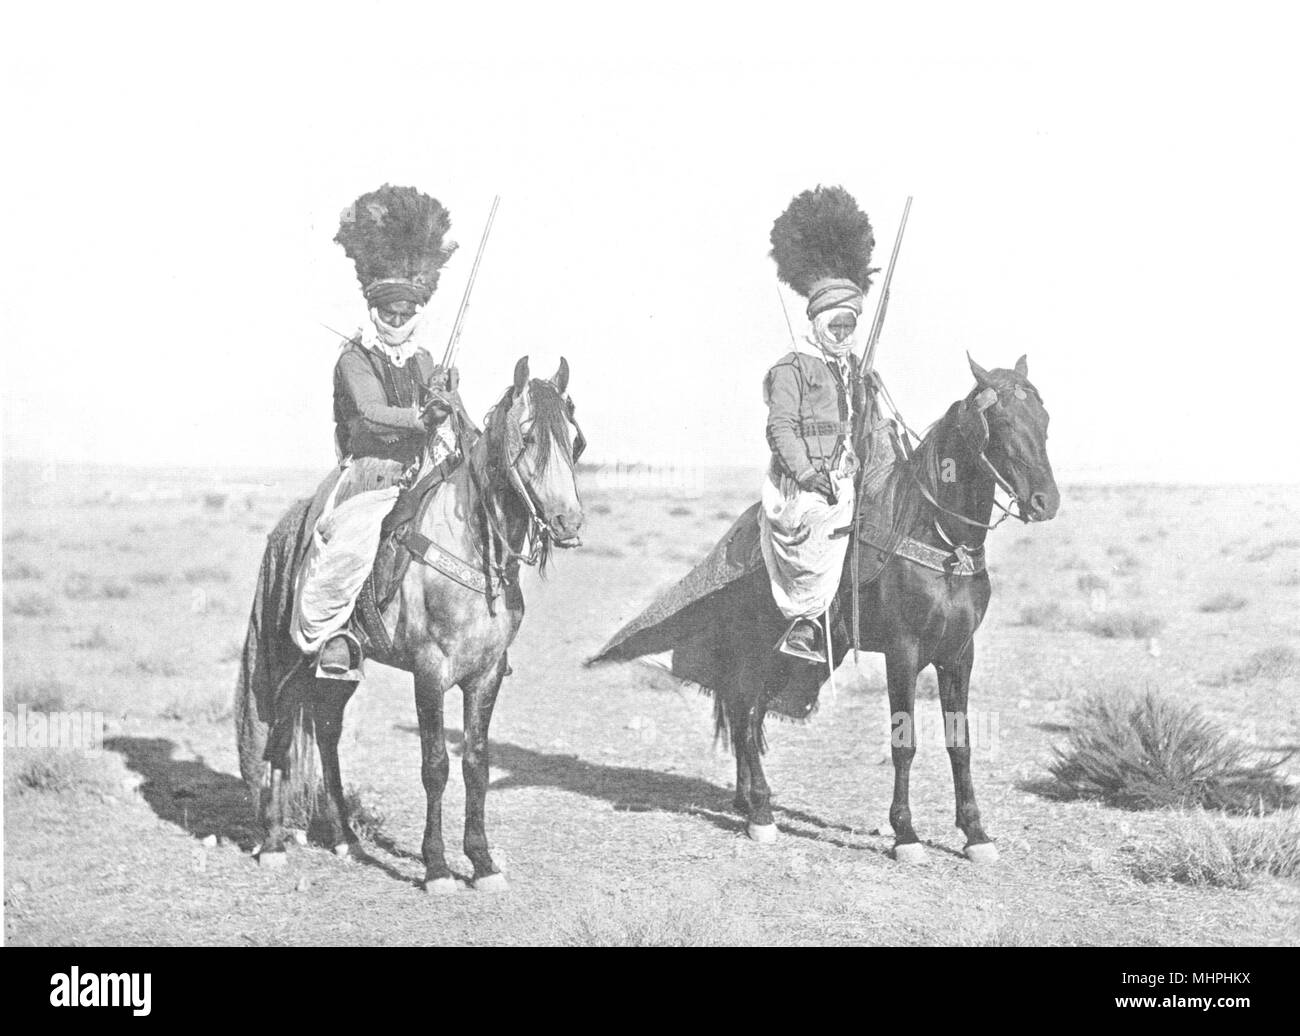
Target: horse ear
point(561, 379)
point(1022, 366)
point(521, 374)
point(981, 375)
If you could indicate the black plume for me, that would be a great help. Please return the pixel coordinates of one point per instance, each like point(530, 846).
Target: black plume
point(823, 234)
point(397, 232)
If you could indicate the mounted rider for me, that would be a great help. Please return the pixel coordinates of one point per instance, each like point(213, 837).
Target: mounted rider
point(816, 396)
point(390, 400)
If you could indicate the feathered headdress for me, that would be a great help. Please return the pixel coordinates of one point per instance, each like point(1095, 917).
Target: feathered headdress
point(822, 246)
point(395, 238)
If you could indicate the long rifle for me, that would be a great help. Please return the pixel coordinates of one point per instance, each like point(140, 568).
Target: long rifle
point(449, 354)
point(868, 365)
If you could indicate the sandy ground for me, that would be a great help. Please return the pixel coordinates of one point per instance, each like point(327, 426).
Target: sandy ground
point(610, 804)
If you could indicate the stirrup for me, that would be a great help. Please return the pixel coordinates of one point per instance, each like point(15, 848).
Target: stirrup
point(356, 659)
point(785, 648)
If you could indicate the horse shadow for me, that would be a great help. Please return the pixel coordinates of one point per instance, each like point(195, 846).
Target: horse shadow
point(189, 793)
point(634, 789)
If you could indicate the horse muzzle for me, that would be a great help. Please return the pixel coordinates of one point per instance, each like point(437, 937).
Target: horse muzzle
point(564, 530)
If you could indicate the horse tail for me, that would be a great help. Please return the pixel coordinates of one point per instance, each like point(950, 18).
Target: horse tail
point(301, 786)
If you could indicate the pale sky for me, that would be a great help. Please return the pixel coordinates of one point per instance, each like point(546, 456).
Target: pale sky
point(1112, 192)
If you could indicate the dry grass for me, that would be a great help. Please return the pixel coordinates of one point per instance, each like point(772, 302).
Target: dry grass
point(51, 771)
point(43, 695)
point(1151, 752)
point(95, 640)
point(207, 574)
point(624, 920)
point(1267, 551)
point(1279, 662)
point(1131, 624)
point(1206, 851)
point(1222, 602)
point(30, 605)
point(19, 571)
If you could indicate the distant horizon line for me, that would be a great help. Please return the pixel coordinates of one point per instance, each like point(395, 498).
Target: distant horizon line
point(160, 467)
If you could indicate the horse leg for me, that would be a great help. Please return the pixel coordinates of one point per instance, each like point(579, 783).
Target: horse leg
point(900, 669)
point(954, 688)
point(480, 695)
point(272, 851)
point(429, 691)
point(746, 713)
point(331, 699)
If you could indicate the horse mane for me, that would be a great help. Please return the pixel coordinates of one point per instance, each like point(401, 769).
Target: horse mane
point(903, 484)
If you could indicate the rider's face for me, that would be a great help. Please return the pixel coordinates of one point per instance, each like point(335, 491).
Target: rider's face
point(841, 326)
point(395, 314)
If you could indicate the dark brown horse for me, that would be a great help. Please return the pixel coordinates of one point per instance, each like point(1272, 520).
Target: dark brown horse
point(513, 498)
point(942, 497)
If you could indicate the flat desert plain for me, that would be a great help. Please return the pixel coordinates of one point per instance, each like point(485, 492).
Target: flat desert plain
point(126, 593)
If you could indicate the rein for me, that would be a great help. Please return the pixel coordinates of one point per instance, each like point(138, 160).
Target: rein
point(911, 470)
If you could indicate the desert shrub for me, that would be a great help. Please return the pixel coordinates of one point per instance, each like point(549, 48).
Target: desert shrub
point(53, 771)
point(601, 509)
point(20, 570)
point(81, 587)
point(149, 578)
point(1224, 602)
point(1278, 662)
point(214, 501)
point(95, 640)
point(365, 817)
point(1120, 624)
point(207, 574)
point(1090, 581)
point(1150, 752)
point(1269, 549)
point(156, 665)
point(214, 709)
point(1200, 850)
point(43, 695)
point(648, 921)
point(1290, 579)
point(29, 605)
point(1122, 559)
point(1044, 615)
point(680, 512)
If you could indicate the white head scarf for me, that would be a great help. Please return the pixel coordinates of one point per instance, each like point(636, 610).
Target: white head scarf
point(394, 342)
point(825, 341)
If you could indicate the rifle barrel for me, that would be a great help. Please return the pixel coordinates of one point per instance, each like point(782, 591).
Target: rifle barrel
point(449, 353)
point(882, 300)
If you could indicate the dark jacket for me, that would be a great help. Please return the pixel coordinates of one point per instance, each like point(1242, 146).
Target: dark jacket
point(376, 401)
point(808, 412)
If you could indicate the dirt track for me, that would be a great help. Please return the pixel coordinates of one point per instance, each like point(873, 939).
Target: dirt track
point(610, 806)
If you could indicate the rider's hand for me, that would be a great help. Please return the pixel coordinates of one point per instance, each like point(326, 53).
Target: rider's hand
point(436, 409)
point(818, 482)
point(444, 379)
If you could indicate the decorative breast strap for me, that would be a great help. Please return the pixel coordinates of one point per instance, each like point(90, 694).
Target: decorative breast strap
point(960, 561)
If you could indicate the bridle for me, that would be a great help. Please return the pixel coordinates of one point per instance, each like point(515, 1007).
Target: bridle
point(986, 398)
point(504, 432)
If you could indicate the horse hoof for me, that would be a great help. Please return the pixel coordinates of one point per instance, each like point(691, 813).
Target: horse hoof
point(299, 836)
point(343, 850)
point(763, 834)
point(491, 883)
point(985, 852)
point(441, 886)
point(910, 853)
point(272, 859)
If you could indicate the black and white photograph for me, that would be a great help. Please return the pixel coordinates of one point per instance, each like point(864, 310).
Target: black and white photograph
point(702, 475)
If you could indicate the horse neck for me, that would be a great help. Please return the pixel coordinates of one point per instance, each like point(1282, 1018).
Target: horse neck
point(970, 494)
